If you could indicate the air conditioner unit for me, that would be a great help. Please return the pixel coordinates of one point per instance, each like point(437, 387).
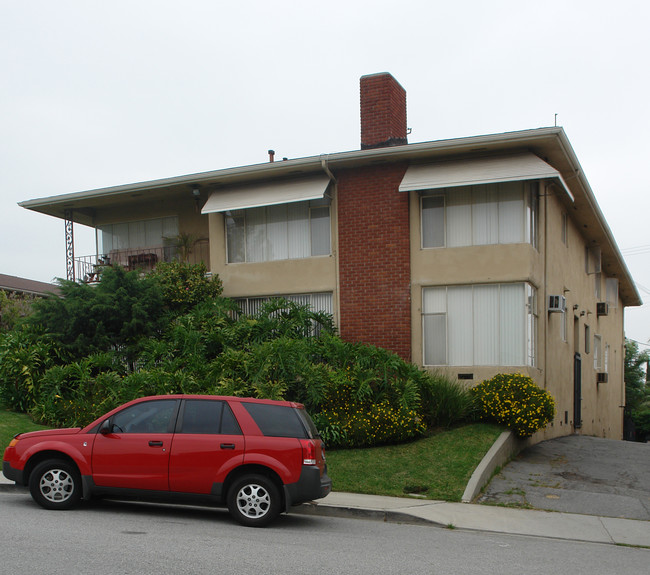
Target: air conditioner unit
point(601, 377)
point(556, 303)
point(602, 308)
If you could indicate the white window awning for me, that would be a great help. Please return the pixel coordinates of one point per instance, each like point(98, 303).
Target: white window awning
point(477, 171)
point(266, 194)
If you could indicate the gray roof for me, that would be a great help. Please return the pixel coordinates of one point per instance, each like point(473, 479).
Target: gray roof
point(23, 285)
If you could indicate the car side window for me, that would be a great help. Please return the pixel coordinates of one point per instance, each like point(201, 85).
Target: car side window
point(146, 417)
point(208, 417)
point(276, 420)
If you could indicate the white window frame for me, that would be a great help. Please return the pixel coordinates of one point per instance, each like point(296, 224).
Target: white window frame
point(311, 205)
point(530, 215)
point(611, 291)
point(598, 352)
point(497, 323)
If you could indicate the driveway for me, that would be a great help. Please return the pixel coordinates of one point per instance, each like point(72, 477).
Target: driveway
point(577, 474)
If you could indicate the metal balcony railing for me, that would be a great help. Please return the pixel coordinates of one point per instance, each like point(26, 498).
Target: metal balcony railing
point(88, 268)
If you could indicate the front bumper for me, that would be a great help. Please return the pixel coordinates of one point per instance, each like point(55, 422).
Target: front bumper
point(12, 474)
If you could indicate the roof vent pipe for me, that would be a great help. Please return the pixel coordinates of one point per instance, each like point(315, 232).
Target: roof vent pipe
point(271, 156)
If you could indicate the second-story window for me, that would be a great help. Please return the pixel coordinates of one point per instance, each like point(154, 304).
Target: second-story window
point(504, 213)
point(281, 232)
point(136, 235)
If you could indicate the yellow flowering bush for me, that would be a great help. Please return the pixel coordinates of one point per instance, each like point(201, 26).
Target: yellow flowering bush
point(514, 400)
point(356, 425)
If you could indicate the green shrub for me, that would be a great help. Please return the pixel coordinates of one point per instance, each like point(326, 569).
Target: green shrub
point(185, 285)
point(514, 400)
point(445, 402)
point(24, 357)
point(368, 425)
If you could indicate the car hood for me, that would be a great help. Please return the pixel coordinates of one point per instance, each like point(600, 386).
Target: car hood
point(50, 432)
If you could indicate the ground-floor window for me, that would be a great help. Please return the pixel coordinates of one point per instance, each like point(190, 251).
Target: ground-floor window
point(494, 324)
point(318, 302)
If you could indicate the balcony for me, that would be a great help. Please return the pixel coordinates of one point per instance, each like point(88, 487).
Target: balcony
point(88, 268)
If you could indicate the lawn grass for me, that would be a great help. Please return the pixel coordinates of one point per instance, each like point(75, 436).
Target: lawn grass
point(437, 467)
point(12, 423)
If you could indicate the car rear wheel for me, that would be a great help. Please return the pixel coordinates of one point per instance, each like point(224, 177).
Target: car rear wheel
point(55, 484)
point(254, 500)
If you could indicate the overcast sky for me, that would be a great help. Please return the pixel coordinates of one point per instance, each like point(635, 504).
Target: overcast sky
point(96, 94)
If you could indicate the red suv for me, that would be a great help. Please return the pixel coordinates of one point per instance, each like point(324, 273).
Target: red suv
point(259, 457)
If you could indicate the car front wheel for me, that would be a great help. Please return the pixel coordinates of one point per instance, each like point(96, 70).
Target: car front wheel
point(55, 484)
point(254, 500)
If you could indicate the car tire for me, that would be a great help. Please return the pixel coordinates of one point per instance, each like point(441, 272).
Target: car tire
point(254, 500)
point(55, 484)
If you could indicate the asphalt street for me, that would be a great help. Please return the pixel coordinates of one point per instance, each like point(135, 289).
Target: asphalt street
point(578, 474)
point(112, 538)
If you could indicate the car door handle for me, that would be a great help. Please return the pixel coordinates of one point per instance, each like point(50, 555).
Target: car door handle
point(227, 446)
point(155, 444)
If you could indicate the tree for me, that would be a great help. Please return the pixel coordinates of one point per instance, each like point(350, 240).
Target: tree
point(185, 285)
point(112, 315)
point(636, 391)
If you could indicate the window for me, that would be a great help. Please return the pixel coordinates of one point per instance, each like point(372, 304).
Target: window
point(480, 325)
point(145, 417)
point(587, 339)
point(565, 229)
point(592, 260)
point(280, 232)
point(563, 326)
point(486, 214)
point(606, 359)
point(315, 301)
point(208, 417)
point(598, 352)
point(138, 234)
point(277, 420)
point(611, 289)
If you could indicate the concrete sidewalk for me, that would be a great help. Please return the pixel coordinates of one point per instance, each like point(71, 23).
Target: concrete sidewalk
point(570, 526)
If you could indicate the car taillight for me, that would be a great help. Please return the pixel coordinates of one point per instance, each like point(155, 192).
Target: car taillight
point(308, 452)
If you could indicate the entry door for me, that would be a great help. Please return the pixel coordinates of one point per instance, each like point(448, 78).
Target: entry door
point(577, 391)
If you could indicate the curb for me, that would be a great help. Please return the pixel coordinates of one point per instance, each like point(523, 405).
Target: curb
point(503, 450)
point(322, 510)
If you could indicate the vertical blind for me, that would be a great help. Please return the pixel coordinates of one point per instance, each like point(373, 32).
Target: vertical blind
point(479, 325)
point(486, 214)
point(138, 234)
point(279, 232)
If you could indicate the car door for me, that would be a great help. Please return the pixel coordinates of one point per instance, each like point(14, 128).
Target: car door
point(208, 443)
point(132, 449)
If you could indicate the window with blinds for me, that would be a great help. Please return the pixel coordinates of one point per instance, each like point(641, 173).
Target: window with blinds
point(503, 213)
point(471, 325)
point(279, 232)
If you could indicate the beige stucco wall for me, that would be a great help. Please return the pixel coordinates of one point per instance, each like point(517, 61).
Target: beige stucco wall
point(602, 414)
point(552, 268)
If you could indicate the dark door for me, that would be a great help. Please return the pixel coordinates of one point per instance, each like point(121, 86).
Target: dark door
point(577, 391)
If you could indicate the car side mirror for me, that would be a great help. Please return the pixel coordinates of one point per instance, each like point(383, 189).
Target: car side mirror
point(106, 428)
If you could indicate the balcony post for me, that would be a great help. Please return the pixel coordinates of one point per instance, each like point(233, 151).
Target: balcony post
point(69, 245)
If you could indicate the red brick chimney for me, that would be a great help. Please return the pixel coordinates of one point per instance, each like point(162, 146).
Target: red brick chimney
point(383, 111)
